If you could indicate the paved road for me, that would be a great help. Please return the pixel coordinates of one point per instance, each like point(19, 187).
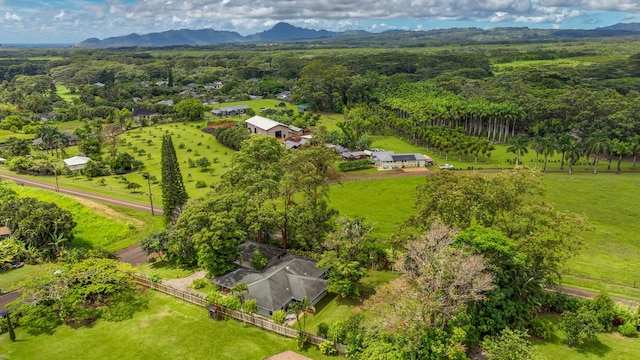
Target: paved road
point(83, 194)
point(7, 298)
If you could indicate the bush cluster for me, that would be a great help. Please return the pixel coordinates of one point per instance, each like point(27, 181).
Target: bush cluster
point(355, 165)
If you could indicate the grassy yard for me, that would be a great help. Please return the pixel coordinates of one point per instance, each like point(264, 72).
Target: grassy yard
point(6, 134)
point(99, 225)
point(610, 256)
point(168, 329)
point(9, 279)
point(609, 346)
point(332, 308)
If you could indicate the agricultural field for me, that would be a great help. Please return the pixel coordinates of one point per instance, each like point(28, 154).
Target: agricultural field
point(168, 329)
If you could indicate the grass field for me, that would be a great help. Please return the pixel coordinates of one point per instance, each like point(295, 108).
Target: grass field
point(6, 134)
point(99, 226)
point(168, 329)
point(610, 346)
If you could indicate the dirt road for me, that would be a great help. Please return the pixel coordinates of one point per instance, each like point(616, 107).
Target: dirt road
point(83, 194)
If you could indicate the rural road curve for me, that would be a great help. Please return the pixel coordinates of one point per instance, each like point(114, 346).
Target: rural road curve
point(83, 194)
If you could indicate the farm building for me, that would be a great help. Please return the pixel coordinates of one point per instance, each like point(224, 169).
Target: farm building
point(77, 162)
point(231, 110)
point(286, 279)
point(264, 126)
point(388, 160)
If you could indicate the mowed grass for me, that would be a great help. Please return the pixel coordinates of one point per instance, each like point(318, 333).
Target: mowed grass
point(609, 346)
point(98, 225)
point(65, 93)
point(6, 134)
point(168, 329)
point(385, 203)
point(9, 279)
point(609, 260)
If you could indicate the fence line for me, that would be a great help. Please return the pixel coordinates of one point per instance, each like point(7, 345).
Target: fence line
point(253, 319)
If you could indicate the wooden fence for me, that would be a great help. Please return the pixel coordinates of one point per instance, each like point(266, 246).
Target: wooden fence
point(253, 319)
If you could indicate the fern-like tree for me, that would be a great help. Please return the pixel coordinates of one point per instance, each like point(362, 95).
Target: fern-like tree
point(174, 195)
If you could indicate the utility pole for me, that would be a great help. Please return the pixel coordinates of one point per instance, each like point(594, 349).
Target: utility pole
point(148, 177)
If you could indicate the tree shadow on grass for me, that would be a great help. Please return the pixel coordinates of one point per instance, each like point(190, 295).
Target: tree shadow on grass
point(595, 347)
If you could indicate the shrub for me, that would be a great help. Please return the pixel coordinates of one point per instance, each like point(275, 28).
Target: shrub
point(231, 302)
point(628, 330)
point(327, 348)
point(156, 278)
point(581, 326)
point(509, 345)
point(200, 184)
point(355, 165)
point(279, 316)
point(541, 328)
point(199, 283)
point(323, 329)
point(605, 309)
point(337, 331)
point(258, 261)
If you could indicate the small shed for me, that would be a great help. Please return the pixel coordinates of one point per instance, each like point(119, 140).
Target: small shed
point(77, 162)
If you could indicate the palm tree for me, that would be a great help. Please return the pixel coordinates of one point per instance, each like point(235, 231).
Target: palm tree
point(563, 142)
point(548, 148)
point(619, 148)
point(238, 290)
point(536, 145)
point(573, 152)
point(634, 149)
point(599, 145)
point(518, 146)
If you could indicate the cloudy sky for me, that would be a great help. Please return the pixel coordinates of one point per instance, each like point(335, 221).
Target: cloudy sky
point(71, 21)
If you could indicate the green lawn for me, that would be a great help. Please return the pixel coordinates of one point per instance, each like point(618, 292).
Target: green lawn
point(6, 134)
point(168, 329)
point(609, 259)
point(333, 308)
point(9, 279)
point(610, 346)
point(165, 269)
point(386, 203)
point(99, 225)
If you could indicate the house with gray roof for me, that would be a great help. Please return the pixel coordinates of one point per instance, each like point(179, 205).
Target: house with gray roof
point(231, 110)
point(286, 279)
point(264, 126)
point(388, 160)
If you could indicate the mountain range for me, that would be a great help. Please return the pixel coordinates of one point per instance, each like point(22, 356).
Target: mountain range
point(287, 32)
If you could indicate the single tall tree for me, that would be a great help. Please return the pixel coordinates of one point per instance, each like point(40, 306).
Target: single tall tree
point(518, 145)
point(174, 195)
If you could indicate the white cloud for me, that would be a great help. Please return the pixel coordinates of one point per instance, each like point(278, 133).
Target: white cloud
point(12, 17)
point(120, 17)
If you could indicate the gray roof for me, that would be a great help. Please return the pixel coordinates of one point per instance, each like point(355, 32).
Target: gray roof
point(230, 108)
point(290, 280)
point(269, 252)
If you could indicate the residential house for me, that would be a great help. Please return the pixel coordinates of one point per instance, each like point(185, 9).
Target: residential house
point(71, 140)
point(287, 279)
point(139, 114)
point(284, 96)
point(388, 160)
point(265, 126)
point(77, 162)
point(231, 110)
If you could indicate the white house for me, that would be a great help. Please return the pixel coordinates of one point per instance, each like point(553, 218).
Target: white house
point(264, 126)
point(77, 162)
point(388, 160)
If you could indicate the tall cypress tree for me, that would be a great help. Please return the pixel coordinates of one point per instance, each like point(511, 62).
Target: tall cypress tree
point(174, 195)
